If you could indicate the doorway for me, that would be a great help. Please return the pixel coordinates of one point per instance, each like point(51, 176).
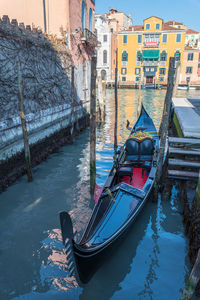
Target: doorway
point(149, 80)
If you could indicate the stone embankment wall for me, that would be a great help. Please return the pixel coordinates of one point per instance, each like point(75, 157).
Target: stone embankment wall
point(51, 104)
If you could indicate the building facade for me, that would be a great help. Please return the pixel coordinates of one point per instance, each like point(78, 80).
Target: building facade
point(107, 27)
point(71, 20)
point(144, 51)
point(104, 37)
point(191, 66)
point(192, 38)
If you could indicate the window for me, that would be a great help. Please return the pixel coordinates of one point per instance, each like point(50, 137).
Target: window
point(125, 38)
point(124, 56)
point(157, 26)
point(105, 57)
point(123, 70)
point(179, 26)
point(123, 78)
point(90, 20)
point(190, 56)
point(177, 55)
point(137, 78)
point(105, 38)
point(161, 79)
point(139, 40)
point(147, 26)
point(178, 38)
point(139, 55)
point(111, 30)
point(137, 71)
point(163, 56)
point(113, 61)
point(83, 15)
point(188, 70)
point(198, 66)
point(164, 38)
point(162, 71)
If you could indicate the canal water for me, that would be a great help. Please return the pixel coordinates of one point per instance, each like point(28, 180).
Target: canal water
point(151, 263)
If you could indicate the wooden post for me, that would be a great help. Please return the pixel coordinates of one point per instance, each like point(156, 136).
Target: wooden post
point(139, 103)
point(193, 280)
point(99, 98)
point(177, 78)
point(93, 126)
point(24, 128)
point(116, 104)
point(44, 14)
point(104, 100)
point(163, 131)
point(72, 119)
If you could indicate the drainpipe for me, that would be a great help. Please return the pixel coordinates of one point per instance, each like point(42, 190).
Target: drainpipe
point(45, 19)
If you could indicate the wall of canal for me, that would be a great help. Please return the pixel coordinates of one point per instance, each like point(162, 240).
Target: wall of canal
point(51, 103)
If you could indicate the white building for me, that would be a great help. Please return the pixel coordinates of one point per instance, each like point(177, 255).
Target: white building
point(104, 50)
point(192, 38)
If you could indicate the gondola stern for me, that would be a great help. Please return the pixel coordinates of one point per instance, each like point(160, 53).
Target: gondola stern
point(68, 241)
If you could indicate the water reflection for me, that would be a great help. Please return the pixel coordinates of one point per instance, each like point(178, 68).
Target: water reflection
point(32, 256)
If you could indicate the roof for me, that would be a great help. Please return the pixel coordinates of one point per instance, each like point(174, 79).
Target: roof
point(137, 28)
point(153, 17)
point(165, 26)
point(191, 31)
point(173, 23)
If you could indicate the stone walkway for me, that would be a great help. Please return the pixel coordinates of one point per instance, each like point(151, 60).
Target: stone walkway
point(188, 114)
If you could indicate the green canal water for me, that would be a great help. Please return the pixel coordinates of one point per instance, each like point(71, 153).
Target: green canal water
point(151, 263)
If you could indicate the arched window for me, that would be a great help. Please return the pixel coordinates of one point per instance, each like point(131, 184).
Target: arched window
point(90, 20)
point(83, 15)
point(177, 55)
point(103, 74)
point(163, 56)
point(124, 56)
point(105, 56)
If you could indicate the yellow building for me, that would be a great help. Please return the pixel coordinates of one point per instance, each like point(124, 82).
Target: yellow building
point(144, 51)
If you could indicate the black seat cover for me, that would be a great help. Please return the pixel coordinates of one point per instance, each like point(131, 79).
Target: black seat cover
point(146, 149)
point(132, 150)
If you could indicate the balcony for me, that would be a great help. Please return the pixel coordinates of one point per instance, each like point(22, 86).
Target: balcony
point(162, 63)
point(151, 44)
point(150, 63)
point(89, 38)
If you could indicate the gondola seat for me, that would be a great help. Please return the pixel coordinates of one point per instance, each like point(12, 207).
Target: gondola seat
point(146, 149)
point(125, 171)
point(139, 151)
point(132, 150)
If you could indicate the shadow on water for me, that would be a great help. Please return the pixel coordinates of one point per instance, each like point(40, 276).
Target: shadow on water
point(151, 262)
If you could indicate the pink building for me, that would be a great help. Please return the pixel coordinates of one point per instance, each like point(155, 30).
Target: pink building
point(191, 66)
point(71, 20)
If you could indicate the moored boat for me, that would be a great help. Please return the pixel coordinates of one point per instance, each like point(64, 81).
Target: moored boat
point(126, 190)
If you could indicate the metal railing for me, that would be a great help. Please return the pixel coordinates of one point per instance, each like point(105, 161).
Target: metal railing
point(89, 38)
point(149, 63)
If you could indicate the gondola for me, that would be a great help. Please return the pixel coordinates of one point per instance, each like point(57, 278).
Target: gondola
point(126, 190)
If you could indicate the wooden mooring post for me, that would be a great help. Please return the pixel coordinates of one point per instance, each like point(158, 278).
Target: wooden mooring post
point(163, 131)
point(116, 105)
point(177, 78)
point(24, 127)
point(93, 126)
point(193, 280)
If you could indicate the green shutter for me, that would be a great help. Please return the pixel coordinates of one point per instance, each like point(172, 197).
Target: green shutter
point(150, 54)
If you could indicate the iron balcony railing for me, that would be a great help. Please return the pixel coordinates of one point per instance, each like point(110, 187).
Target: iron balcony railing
point(89, 38)
point(150, 63)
